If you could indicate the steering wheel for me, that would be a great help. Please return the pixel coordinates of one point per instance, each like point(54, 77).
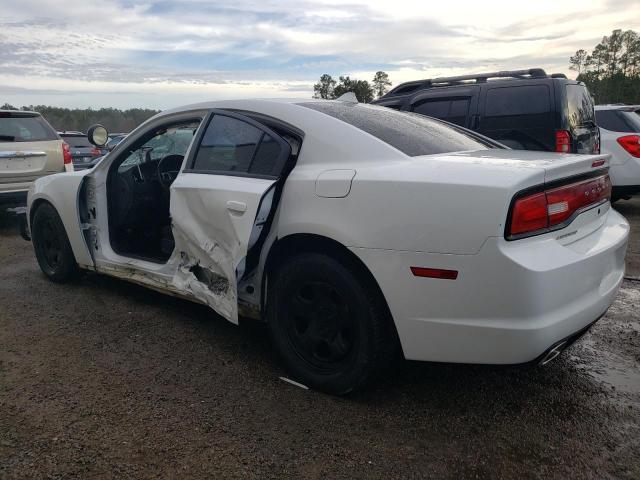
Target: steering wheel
point(168, 169)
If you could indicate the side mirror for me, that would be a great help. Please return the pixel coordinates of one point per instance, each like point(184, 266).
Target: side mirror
point(97, 135)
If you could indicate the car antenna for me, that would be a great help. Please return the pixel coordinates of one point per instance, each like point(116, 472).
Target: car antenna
point(348, 97)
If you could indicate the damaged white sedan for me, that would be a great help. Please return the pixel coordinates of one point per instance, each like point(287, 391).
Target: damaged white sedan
point(357, 232)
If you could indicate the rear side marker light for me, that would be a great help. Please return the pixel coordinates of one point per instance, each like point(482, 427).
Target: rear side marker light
point(631, 143)
point(554, 208)
point(434, 273)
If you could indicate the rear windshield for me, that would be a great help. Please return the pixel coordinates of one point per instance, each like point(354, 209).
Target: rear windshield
point(22, 128)
point(77, 141)
point(579, 106)
point(410, 133)
point(619, 120)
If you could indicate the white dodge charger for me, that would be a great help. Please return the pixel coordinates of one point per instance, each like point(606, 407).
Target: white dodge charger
point(359, 233)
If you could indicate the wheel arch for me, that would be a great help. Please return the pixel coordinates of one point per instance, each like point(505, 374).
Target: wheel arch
point(62, 193)
point(297, 243)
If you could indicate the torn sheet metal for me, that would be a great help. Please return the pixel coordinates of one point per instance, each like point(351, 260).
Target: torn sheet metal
point(205, 272)
point(204, 254)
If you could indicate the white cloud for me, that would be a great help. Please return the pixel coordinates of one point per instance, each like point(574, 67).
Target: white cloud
point(166, 50)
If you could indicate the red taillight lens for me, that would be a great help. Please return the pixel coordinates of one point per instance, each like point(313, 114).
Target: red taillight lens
point(66, 153)
point(563, 141)
point(529, 214)
point(631, 143)
point(552, 208)
point(95, 152)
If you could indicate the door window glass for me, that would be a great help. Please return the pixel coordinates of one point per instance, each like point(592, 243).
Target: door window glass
point(232, 145)
point(452, 110)
point(228, 145)
point(266, 158)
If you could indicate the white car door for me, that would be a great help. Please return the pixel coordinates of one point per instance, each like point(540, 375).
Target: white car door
point(222, 204)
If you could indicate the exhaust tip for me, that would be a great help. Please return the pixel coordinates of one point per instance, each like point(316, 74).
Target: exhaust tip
point(553, 353)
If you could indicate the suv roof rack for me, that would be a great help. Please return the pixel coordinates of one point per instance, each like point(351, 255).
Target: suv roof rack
point(409, 87)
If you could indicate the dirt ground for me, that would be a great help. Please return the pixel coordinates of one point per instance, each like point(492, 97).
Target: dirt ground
point(104, 379)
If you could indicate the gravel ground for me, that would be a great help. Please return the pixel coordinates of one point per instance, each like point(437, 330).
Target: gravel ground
point(104, 379)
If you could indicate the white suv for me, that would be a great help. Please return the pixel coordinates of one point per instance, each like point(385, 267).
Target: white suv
point(29, 149)
point(620, 137)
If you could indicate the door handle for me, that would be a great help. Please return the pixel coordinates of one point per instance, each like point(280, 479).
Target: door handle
point(237, 207)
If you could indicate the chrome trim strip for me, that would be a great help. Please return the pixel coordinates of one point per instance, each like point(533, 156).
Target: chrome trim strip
point(22, 154)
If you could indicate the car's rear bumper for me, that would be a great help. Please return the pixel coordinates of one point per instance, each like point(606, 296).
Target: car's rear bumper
point(18, 197)
point(511, 302)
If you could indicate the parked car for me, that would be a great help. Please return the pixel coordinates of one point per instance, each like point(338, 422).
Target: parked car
point(114, 139)
point(620, 136)
point(357, 232)
point(29, 149)
point(83, 153)
point(523, 109)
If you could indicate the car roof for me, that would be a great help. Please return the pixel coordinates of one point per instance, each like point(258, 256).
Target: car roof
point(325, 137)
point(618, 106)
point(506, 77)
point(21, 113)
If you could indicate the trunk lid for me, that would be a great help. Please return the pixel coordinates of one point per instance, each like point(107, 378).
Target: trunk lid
point(557, 166)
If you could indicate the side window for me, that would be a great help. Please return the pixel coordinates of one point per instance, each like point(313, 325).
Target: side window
point(266, 156)
point(453, 110)
point(165, 141)
point(458, 111)
point(230, 145)
point(526, 106)
point(433, 108)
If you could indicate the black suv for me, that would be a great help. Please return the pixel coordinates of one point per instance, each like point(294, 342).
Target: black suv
point(522, 109)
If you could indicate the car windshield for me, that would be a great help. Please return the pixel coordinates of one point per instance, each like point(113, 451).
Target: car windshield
point(410, 133)
point(580, 106)
point(77, 141)
point(17, 127)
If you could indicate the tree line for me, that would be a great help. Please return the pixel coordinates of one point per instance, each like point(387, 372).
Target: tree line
point(611, 70)
point(329, 88)
point(113, 119)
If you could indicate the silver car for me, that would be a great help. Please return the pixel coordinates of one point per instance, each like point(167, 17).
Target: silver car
point(29, 149)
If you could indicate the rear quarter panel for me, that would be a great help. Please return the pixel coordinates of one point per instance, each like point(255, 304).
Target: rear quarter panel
point(421, 204)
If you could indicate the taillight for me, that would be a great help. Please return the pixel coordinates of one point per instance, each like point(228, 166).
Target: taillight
point(631, 143)
point(95, 152)
point(555, 208)
point(563, 141)
point(66, 153)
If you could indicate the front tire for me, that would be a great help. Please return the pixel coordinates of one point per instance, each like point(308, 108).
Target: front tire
point(330, 325)
point(51, 245)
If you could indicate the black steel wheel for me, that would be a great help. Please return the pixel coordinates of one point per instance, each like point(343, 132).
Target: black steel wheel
point(321, 325)
point(51, 245)
point(329, 325)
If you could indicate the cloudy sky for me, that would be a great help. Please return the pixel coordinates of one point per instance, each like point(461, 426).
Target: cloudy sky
point(159, 54)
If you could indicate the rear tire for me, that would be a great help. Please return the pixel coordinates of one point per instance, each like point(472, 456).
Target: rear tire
point(51, 245)
point(330, 326)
